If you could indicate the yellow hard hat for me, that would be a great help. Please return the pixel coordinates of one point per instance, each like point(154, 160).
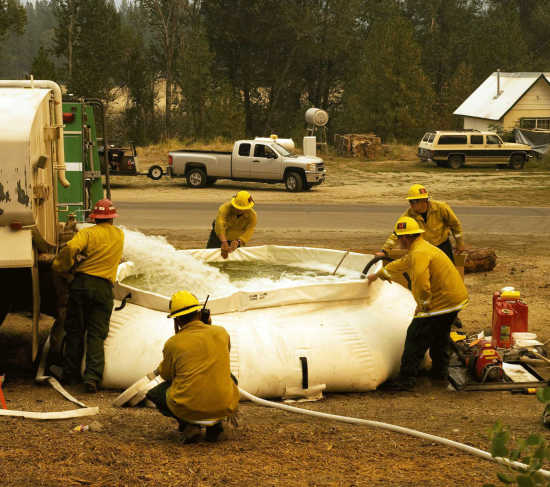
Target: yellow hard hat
point(183, 303)
point(407, 226)
point(417, 192)
point(242, 200)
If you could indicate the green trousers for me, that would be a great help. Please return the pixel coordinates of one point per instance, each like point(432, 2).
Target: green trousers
point(88, 315)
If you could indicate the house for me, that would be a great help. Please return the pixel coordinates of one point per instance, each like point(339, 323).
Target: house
point(505, 101)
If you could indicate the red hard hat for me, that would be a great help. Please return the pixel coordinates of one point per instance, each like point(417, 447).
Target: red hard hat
point(104, 210)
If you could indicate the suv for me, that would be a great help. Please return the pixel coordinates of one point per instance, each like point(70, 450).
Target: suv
point(456, 148)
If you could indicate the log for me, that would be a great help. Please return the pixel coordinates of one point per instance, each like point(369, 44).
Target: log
point(480, 260)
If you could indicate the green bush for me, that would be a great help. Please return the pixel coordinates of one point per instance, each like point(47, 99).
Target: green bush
point(533, 452)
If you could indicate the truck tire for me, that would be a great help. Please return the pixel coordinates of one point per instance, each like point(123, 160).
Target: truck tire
point(196, 178)
point(155, 173)
point(456, 162)
point(517, 161)
point(294, 181)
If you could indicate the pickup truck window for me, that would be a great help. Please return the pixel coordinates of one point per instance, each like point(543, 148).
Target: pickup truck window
point(261, 150)
point(493, 139)
point(244, 150)
point(281, 150)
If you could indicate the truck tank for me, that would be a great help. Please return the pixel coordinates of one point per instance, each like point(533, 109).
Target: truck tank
point(36, 197)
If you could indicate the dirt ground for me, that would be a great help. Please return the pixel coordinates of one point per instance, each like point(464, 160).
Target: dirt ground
point(139, 447)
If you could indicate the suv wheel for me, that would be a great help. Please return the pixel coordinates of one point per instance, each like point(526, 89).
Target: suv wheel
point(517, 161)
point(294, 182)
point(456, 162)
point(196, 178)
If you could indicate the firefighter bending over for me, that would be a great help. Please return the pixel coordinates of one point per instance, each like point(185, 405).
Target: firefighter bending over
point(234, 224)
point(439, 293)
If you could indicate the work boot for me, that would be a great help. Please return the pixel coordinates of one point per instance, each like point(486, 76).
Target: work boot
point(90, 386)
point(190, 433)
point(213, 432)
point(400, 384)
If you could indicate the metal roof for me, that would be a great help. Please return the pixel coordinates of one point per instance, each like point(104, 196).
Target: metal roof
point(483, 102)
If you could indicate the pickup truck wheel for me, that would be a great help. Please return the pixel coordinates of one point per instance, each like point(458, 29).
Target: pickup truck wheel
point(155, 172)
point(517, 162)
point(196, 178)
point(294, 182)
point(456, 162)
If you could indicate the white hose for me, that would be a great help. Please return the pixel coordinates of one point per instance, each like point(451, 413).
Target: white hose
point(391, 427)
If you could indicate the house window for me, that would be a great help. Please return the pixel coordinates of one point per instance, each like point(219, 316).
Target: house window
point(535, 123)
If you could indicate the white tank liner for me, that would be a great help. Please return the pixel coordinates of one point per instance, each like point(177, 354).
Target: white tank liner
point(352, 335)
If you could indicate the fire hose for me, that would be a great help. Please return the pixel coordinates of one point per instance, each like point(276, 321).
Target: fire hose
point(398, 429)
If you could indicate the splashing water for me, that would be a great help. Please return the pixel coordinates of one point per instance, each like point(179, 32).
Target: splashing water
point(161, 269)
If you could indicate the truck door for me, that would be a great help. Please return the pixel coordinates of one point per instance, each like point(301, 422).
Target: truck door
point(493, 152)
point(475, 151)
point(241, 160)
point(266, 163)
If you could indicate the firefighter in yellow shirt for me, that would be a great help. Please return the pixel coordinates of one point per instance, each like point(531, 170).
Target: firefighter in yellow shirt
point(436, 218)
point(439, 293)
point(91, 293)
point(234, 224)
point(199, 389)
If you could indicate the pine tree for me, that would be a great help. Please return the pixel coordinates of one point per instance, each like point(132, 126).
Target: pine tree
point(43, 67)
point(87, 36)
point(391, 94)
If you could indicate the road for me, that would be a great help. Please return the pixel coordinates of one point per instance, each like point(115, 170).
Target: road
point(192, 215)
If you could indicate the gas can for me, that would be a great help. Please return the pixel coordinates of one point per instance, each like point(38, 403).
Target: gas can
point(508, 298)
point(503, 320)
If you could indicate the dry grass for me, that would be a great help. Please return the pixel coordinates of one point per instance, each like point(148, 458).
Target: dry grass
point(158, 152)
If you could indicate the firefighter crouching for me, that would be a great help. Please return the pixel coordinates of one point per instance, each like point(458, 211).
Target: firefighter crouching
point(439, 293)
point(90, 294)
point(234, 224)
point(436, 218)
point(198, 389)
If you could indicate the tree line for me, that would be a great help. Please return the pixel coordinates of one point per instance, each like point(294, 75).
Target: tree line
point(236, 68)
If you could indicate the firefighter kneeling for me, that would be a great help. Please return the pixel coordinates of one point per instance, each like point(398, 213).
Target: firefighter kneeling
point(439, 293)
point(199, 389)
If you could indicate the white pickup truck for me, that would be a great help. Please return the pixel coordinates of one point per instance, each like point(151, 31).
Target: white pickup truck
point(251, 160)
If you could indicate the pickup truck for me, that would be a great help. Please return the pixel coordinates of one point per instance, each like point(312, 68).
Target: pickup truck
point(251, 160)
